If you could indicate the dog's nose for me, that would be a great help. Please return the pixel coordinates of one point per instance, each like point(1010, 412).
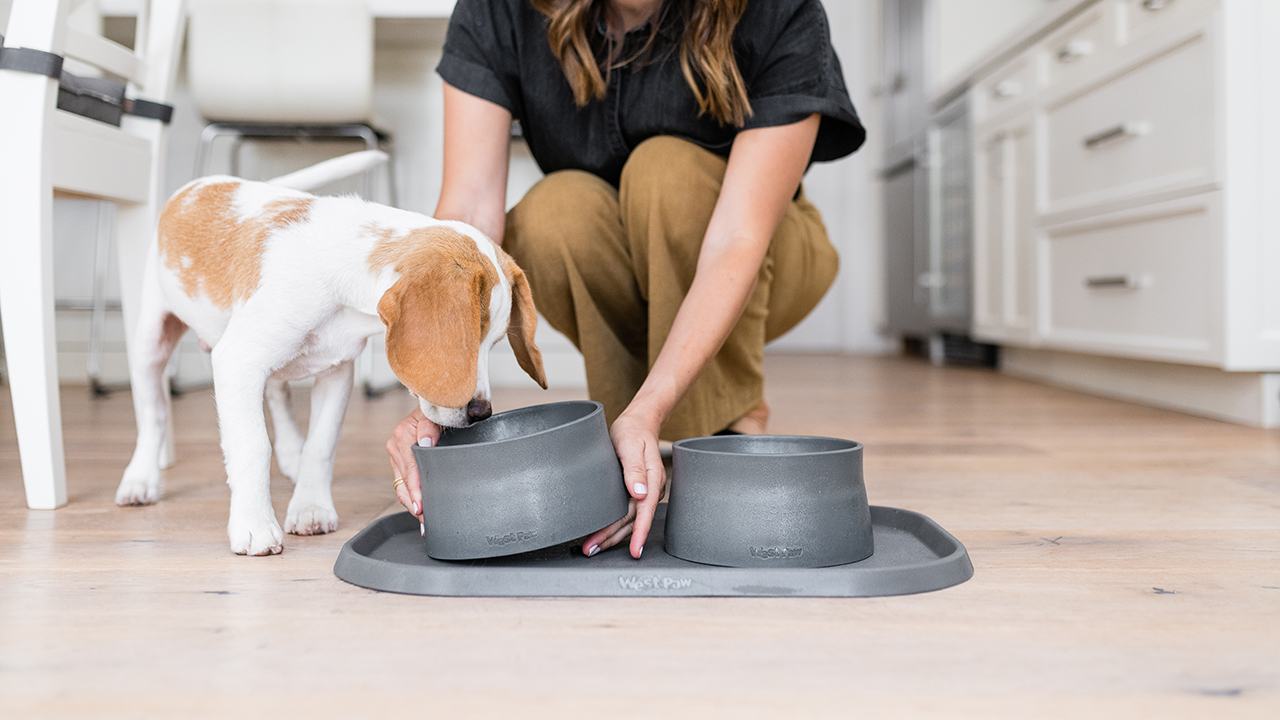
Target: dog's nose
point(479, 409)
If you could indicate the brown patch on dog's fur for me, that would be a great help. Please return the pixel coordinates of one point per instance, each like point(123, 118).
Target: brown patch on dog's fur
point(437, 313)
point(212, 251)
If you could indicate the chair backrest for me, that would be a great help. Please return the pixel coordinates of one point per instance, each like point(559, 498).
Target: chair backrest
point(86, 153)
point(286, 61)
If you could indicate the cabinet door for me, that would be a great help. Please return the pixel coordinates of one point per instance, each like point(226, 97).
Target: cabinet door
point(907, 299)
point(906, 109)
point(951, 222)
point(1004, 243)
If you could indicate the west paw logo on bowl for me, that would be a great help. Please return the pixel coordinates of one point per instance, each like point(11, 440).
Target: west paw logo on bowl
point(512, 537)
point(775, 553)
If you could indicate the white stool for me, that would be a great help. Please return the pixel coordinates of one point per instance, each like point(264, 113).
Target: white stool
point(286, 70)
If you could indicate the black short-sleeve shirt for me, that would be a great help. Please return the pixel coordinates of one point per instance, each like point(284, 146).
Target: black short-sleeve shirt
point(498, 50)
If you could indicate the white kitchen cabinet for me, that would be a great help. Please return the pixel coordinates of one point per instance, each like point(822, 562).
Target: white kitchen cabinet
point(1126, 186)
point(928, 202)
point(1004, 262)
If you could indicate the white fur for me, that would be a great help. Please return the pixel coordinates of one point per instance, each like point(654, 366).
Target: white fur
point(315, 307)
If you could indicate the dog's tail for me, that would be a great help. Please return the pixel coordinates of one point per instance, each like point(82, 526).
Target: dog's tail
point(329, 171)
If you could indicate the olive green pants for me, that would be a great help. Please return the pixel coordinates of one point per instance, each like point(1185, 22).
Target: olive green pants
point(610, 268)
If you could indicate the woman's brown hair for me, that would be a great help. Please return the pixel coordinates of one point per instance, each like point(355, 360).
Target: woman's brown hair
point(706, 50)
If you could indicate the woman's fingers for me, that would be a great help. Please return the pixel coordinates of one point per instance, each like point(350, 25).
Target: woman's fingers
point(612, 535)
point(642, 473)
point(655, 477)
point(413, 430)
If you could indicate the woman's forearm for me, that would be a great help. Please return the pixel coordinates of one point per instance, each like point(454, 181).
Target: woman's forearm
point(725, 279)
point(476, 156)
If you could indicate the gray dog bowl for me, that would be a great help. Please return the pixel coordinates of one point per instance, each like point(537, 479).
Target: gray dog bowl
point(519, 481)
point(768, 501)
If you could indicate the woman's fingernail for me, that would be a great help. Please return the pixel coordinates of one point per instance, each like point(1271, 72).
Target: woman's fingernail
point(416, 510)
point(424, 442)
point(593, 550)
point(640, 553)
point(640, 489)
point(422, 527)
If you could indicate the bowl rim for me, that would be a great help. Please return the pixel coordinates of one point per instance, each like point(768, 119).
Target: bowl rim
point(684, 446)
point(597, 408)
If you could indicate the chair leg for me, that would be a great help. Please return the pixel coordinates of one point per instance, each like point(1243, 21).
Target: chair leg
point(26, 301)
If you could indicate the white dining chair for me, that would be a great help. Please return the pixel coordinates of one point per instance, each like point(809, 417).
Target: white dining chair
point(47, 150)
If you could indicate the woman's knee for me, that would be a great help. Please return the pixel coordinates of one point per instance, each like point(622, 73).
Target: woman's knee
point(803, 267)
point(672, 171)
point(561, 213)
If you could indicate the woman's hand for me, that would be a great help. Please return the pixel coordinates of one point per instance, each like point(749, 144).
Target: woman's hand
point(413, 430)
point(635, 439)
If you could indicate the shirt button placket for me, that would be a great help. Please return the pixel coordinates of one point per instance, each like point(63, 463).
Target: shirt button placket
point(616, 137)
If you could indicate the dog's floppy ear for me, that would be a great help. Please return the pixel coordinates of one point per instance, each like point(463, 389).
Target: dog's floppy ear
point(435, 322)
point(524, 322)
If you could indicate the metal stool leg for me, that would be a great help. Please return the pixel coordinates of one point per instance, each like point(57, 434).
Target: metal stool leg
point(98, 318)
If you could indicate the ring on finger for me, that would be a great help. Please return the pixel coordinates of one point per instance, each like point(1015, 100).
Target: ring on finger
point(396, 485)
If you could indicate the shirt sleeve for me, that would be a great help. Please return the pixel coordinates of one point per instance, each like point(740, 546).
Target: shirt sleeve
point(798, 74)
point(480, 52)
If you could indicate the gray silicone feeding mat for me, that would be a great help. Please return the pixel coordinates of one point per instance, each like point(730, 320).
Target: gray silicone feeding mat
point(912, 555)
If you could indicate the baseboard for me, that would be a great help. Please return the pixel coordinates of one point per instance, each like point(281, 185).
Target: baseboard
point(1248, 398)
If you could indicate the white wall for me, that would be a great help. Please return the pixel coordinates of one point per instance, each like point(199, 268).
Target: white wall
point(847, 193)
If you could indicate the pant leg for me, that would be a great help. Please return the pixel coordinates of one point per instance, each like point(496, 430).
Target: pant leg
point(567, 236)
point(668, 192)
point(801, 265)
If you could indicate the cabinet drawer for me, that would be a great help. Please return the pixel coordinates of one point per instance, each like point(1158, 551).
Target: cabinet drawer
point(1149, 128)
point(1005, 88)
point(1139, 18)
point(1079, 47)
point(1144, 284)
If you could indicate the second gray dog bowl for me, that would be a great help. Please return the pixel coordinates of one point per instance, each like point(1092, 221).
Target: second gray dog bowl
point(768, 501)
point(519, 481)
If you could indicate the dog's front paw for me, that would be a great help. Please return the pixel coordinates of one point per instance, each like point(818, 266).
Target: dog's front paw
point(255, 537)
point(310, 519)
point(138, 487)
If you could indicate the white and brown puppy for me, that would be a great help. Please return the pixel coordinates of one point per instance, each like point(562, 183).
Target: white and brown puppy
point(282, 285)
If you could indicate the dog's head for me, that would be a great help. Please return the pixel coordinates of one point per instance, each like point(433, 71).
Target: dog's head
point(457, 296)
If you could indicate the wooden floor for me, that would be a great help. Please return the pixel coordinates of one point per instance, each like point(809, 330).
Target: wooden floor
point(1127, 565)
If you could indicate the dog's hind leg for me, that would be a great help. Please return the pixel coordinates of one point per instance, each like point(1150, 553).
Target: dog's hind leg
point(311, 509)
point(288, 438)
point(158, 332)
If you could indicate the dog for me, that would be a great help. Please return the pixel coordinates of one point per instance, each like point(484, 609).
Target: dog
point(280, 285)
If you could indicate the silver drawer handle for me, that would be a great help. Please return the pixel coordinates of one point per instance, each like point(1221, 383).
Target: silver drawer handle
point(1155, 5)
point(1131, 128)
point(1127, 281)
point(1074, 50)
point(1006, 89)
